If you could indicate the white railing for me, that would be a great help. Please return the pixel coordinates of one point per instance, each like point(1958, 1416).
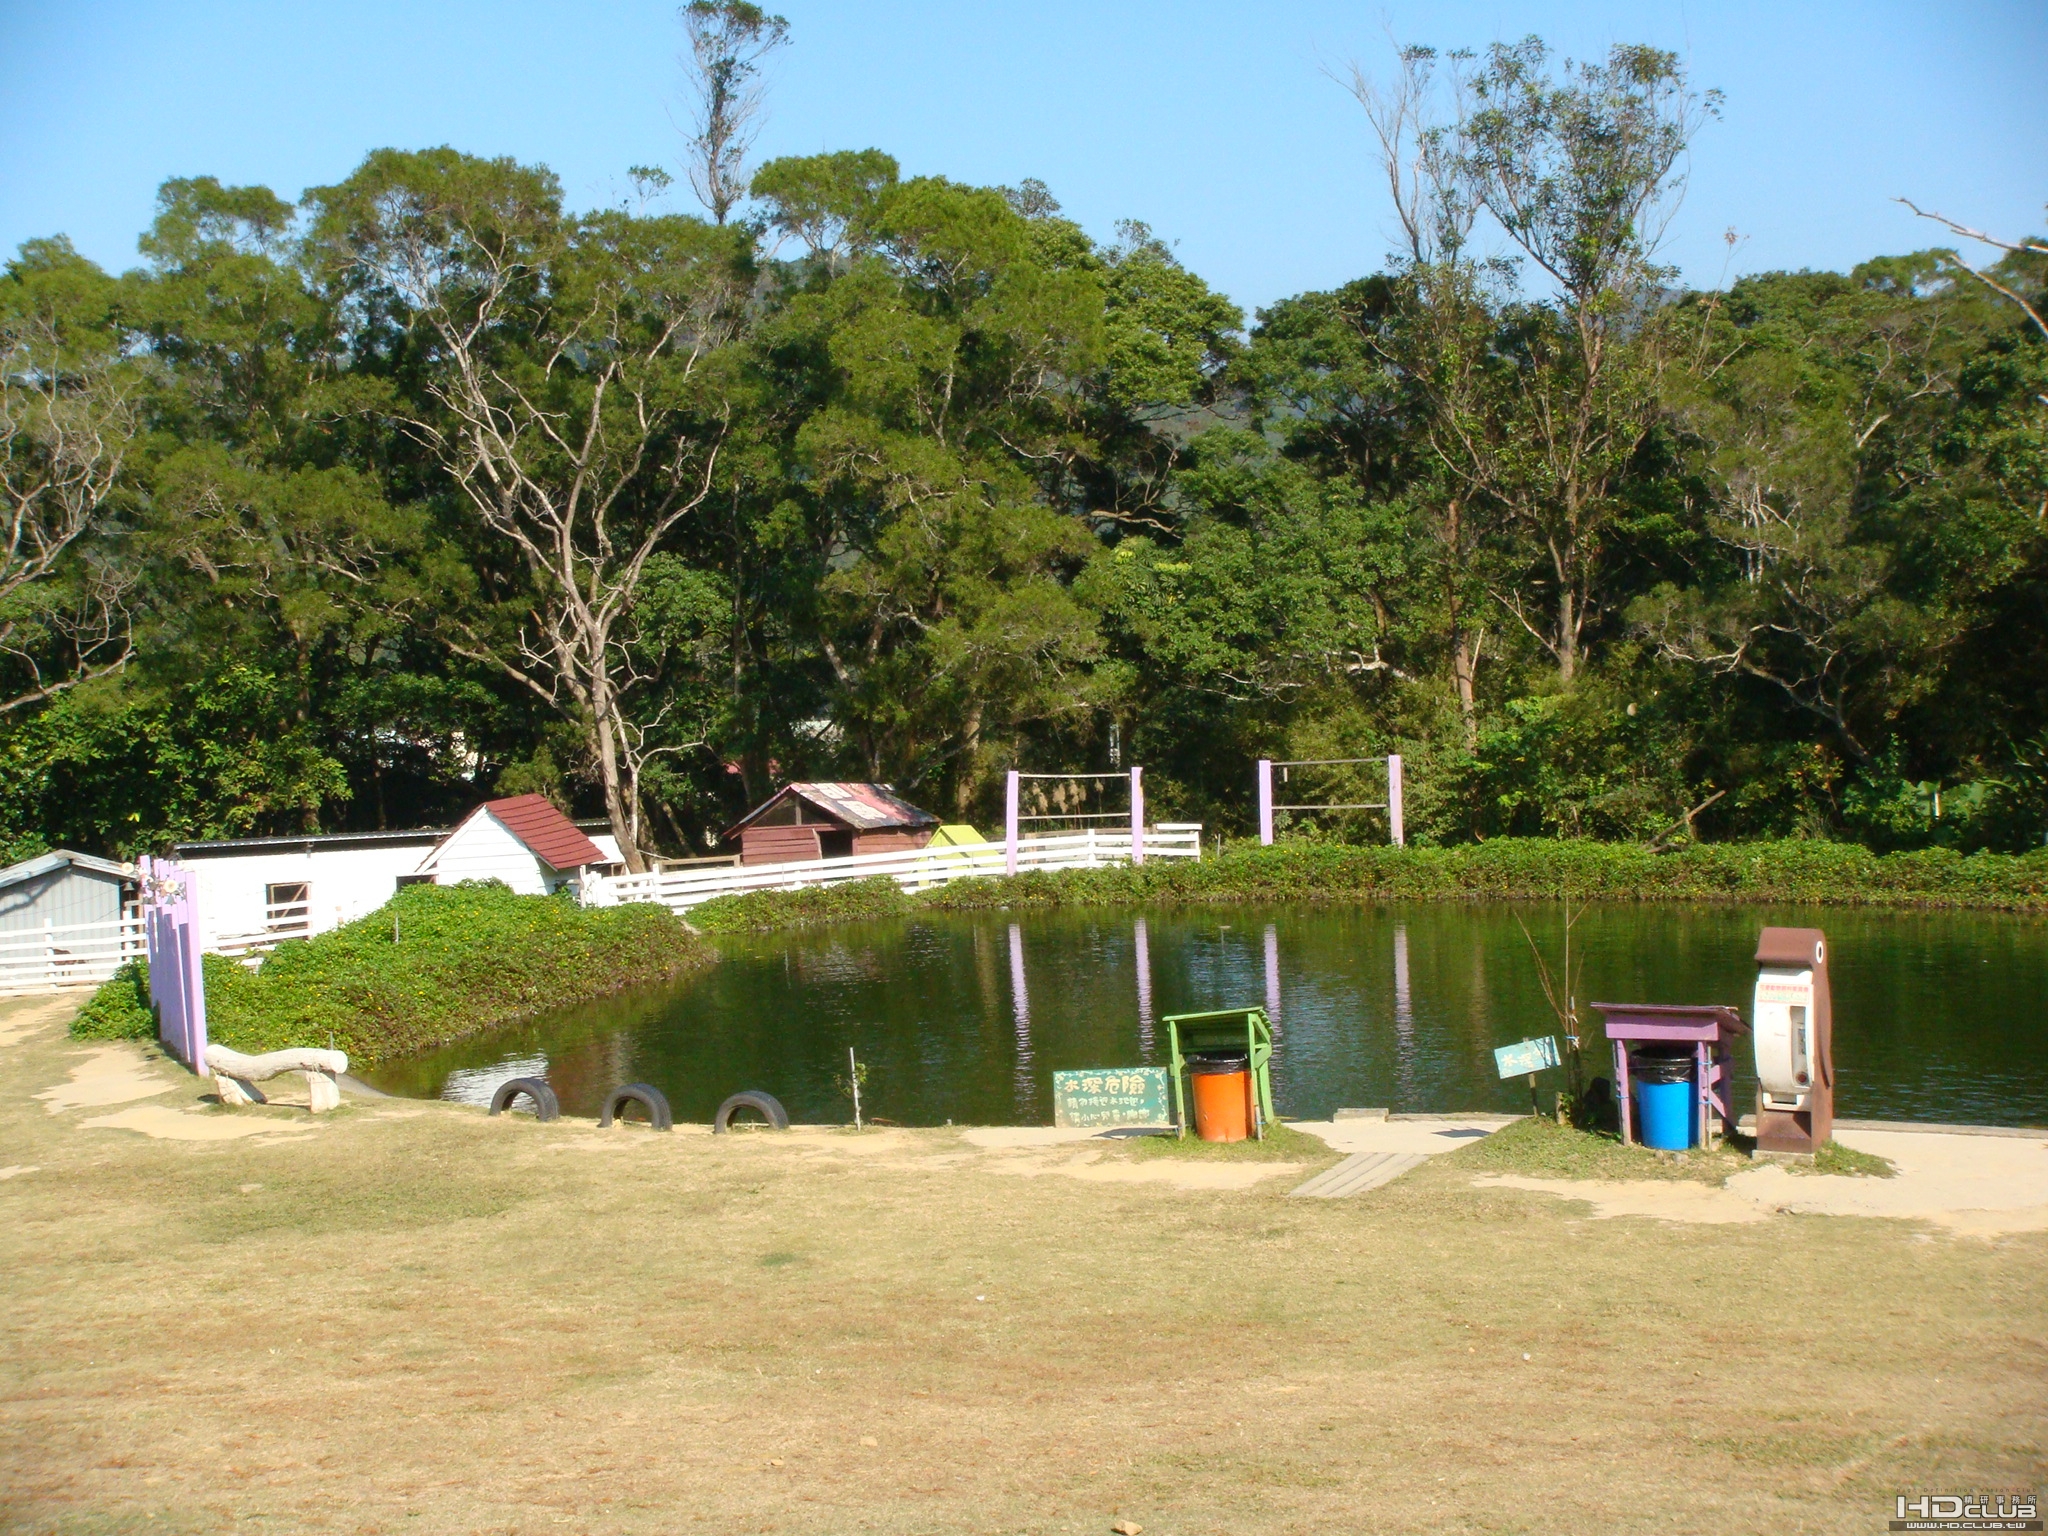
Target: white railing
point(284, 920)
point(914, 869)
point(58, 956)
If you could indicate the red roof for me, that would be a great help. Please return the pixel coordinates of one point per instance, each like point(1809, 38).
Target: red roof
point(863, 807)
point(545, 830)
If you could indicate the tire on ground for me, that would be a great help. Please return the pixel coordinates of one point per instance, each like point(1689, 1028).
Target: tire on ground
point(765, 1104)
point(545, 1105)
point(648, 1097)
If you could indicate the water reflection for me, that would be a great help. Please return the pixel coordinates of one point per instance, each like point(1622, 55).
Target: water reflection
point(1940, 1016)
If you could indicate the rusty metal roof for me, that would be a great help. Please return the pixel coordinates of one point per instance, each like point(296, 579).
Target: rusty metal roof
point(551, 835)
point(863, 807)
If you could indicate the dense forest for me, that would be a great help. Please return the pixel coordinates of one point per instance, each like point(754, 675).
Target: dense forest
point(345, 513)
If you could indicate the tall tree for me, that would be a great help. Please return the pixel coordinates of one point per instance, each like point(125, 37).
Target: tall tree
point(1581, 171)
point(67, 426)
point(728, 40)
point(567, 398)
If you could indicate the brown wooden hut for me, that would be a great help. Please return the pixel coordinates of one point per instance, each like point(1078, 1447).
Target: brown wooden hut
point(829, 821)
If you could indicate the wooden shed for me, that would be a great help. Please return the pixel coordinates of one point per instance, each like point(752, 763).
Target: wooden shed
point(61, 889)
point(830, 821)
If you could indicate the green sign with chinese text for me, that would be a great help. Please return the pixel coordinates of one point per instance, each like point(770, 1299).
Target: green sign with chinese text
point(1111, 1096)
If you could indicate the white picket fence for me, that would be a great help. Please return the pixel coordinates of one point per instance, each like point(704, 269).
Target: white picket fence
point(914, 869)
point(60, 956)
point(55, 958)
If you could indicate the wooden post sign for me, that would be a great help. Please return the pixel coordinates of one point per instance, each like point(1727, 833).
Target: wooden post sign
point(1111, 1096)
point(1526, 1057)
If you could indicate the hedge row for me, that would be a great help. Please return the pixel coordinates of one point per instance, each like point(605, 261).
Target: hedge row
point(434, 964)
point(1832, 874)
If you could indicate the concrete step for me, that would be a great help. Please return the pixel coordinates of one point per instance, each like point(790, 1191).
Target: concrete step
point(1358, 1173)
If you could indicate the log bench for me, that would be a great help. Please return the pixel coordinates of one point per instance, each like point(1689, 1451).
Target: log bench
point(236, 1075)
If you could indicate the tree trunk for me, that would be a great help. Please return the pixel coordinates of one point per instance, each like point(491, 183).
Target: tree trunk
point(616, 791)
point(1464, 673)
point(1567, 634)
point(965, 777)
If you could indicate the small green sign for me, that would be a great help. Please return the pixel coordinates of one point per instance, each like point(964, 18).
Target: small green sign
point(1111, 1096)
point(1526, 1057)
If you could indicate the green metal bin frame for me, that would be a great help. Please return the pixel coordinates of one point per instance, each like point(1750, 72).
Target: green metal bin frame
point(1226, 1029)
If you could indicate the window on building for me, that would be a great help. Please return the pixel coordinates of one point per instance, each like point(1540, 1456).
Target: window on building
point(287, 904)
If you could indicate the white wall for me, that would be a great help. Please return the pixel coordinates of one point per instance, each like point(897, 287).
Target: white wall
point(343, 883)
point(483, 848)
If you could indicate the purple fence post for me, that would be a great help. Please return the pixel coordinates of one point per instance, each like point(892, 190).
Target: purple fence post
point(1265, 802)
point(1137, 815)
point(177, 982)
point(1273, 976)
point(1143, 957)
point(1395, 821)
point(1010, 824)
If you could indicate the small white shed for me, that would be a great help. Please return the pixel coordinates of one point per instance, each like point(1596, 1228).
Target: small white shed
point(523, 841)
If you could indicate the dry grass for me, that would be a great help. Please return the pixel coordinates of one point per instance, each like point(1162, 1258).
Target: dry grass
point(417, 1319)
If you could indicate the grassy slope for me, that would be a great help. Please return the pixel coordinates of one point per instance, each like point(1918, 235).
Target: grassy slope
point(1832, 874)
point(432, 965)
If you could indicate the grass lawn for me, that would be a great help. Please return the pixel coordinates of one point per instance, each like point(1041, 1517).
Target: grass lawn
point(413, 1318)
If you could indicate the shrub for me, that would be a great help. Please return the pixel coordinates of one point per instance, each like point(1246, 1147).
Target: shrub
point(433, 964)
point(120, 1009)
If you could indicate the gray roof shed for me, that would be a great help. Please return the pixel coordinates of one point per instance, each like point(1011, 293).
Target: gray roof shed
point(62, 888)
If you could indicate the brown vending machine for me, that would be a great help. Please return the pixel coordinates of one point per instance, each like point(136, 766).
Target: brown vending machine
point(1793, 1024)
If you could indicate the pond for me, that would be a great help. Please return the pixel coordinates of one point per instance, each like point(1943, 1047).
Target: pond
point(1939, 1016)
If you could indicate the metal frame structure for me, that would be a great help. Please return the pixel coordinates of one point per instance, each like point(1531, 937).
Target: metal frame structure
point(1391, 805)
point(1224, 1029)
point(1011, 819)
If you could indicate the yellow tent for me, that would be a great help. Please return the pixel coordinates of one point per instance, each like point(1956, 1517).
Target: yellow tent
point(955, 835)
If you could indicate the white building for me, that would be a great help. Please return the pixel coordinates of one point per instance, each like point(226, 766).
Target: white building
point(249, 886)
point(523, 841)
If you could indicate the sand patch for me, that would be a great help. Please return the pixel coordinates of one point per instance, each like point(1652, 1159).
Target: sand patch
point(1665, 1200)
point(167, 1124)
point(1979, 1186)
point(15, 1170)
point(1975, 1186)
point(113, 1074)
point(29, 1018)
point(1093, 1169)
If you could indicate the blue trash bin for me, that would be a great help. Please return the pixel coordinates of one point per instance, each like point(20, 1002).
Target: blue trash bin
point(1666, 1101)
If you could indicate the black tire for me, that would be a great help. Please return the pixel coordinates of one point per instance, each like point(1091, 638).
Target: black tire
point(648, 1097)
point(545, 1105)
point(752, 1098)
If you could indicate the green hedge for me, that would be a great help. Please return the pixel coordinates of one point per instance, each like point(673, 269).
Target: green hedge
point(1832, 874)
point(433, 964)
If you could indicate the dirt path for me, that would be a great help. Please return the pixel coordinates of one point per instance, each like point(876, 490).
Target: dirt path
point(414, 1318)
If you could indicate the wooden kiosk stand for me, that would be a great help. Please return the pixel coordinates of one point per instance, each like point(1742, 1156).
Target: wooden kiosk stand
point(1706, 1032)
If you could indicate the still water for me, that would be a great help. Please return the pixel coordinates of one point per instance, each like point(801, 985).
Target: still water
point(1938, 1016)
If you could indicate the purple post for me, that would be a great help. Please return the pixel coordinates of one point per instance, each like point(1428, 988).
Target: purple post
point(1395, 821)
point(1273, 977)
point(1137, 815)
point(1010, 825)
point(177, 984)
point(1144, 959)
point(1265, 802)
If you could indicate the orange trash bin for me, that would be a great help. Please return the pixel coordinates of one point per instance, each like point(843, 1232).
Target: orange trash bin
point(1223, 1096)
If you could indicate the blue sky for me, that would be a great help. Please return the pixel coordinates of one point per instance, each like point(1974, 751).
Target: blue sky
point(1216, 123)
